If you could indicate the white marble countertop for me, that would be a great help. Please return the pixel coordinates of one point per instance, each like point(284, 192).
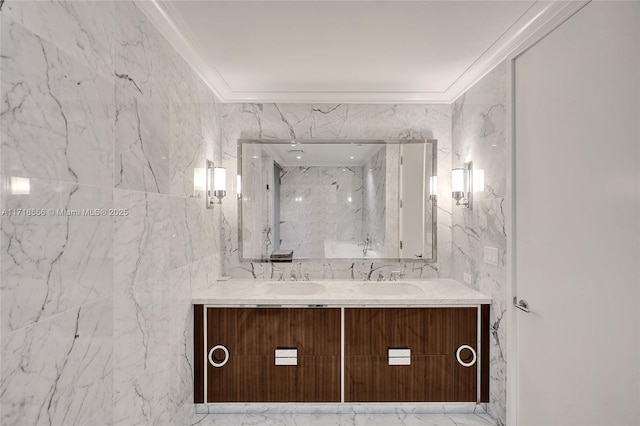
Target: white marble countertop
point(407, 292)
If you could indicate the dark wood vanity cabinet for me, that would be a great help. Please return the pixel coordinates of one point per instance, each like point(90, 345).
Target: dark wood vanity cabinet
point(427, 369)
point(252, 374)
point(390, 354)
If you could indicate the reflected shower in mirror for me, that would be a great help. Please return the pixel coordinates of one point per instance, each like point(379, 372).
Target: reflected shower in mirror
point(315, 200)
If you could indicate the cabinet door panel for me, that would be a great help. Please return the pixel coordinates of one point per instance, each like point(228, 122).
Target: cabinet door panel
point(318, 379)
point(222, 382)
point(465, 332)
point(257, 379)
point(371, 331)
point(363, 331)
point(371, 379)
point(260, 330)
point(221, 328)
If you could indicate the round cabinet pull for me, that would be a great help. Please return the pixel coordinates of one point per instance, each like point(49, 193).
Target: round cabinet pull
point(224, 361)
point(473, 352)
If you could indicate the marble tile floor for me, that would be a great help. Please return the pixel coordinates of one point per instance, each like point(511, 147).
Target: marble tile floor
point(344, 420)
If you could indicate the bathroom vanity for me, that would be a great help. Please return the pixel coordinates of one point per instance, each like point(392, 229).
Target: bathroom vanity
point(339, 341)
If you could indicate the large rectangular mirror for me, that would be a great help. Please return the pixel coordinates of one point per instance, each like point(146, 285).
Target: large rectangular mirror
point(317, 200)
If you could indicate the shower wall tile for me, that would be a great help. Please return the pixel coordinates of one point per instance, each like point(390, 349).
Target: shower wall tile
point(58, 258)
point(375, 207)
point(58, 371)
point(318, 204)
point(58, 115)
point(479, 134)
point(342, 122)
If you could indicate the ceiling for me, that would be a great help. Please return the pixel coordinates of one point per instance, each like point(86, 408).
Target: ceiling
point(345, 51)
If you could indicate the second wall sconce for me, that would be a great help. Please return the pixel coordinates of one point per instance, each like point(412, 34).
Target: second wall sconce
point(462, 185)
point(219, 183)
point(216, 180)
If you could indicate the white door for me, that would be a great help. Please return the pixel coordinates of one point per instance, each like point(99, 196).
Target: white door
point(577, 216)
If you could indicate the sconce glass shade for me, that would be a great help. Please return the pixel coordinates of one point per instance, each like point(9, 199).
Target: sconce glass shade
point(219, 183)
point(219, 179)
point(433, 185)
point(19, 185)
point(458, 180)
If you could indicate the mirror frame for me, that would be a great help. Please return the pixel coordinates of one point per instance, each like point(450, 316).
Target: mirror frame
point(433, 199)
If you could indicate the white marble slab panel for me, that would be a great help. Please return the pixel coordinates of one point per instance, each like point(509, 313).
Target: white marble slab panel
point(58, 371)
point(142, 57)
point(479, 134)
point(142, 145)
point(59, 257)
point(81, 29)
point(57, 115)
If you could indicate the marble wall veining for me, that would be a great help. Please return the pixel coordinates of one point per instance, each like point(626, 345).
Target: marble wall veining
point(336, 122)
point(100, 113)
point(479, 134)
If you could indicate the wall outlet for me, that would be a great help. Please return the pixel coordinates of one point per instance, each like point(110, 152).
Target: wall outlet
point(466, 278)
point(491, 256)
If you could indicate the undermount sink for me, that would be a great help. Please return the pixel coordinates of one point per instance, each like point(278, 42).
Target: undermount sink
point(293, 289)
point(390, 288)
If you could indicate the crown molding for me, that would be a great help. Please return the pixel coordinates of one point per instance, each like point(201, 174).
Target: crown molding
point(540, 19)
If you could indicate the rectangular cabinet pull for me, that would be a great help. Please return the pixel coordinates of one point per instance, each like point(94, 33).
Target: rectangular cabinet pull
point(286, 356)
point(399, 356)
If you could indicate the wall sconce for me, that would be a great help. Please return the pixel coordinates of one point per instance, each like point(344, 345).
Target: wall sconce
point(19, 186)
point(219, 183)
point(209, 184)
point(462, 185)
point(433, 187)
point(216, 184)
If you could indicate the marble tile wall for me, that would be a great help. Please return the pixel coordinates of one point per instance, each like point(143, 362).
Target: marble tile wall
point(318, 203)
point(337, 122)
point(374, 209)
point(100, 113)
point(479, 126)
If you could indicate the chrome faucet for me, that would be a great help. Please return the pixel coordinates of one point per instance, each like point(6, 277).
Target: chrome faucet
point(380, 276)
point(306, 276)
point(366, 246)
point(293, 275)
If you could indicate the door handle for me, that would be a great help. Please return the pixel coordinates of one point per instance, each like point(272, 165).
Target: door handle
point(522, 305)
